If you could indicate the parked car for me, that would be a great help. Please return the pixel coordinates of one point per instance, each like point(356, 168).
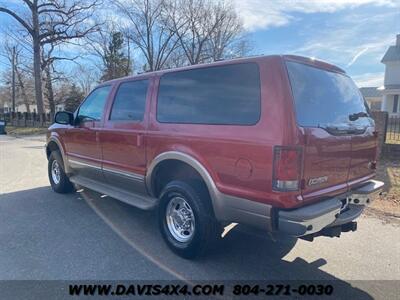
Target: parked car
point(282, 143)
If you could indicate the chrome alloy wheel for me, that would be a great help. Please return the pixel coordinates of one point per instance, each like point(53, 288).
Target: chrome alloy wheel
point(55, 172)
point(180, 219)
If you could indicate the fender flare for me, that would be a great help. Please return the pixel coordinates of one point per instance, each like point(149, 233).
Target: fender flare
point(62, 151)
point(191, 161)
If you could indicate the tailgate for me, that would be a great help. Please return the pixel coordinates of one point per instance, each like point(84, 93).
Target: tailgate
point(332, 164)
point(339, 144)
point(363, 156)
point(327, 159)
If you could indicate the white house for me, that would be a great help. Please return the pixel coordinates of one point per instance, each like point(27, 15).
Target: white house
point(32, 107)
point(373, 97)
point(19, 107)
point(391, 88)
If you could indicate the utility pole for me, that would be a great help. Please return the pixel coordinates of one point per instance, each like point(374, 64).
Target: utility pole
point(13, 79)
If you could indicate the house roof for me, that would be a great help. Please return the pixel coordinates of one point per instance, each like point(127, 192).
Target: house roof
point(392, 54)
point(370, 92)
point(390, 87)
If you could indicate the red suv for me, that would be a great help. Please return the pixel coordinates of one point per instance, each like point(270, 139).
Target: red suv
point(282, 143)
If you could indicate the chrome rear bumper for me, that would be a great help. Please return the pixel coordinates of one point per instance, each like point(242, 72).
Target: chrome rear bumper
point(332, 212)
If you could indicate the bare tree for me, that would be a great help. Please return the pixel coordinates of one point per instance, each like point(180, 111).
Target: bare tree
point(22, 73)
point(147, 32)
point(227, 39)
point(50, 74)
point(193, 23)
point(86, 77)
point(22, 81)
point(207, 30)
point(177, 59)
point(52, 21)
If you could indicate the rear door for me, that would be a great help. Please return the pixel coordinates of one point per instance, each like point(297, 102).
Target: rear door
point(338, 139)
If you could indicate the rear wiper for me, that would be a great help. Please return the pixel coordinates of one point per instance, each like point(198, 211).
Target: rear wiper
point(355, 116)
point(331, 129)
point(341, 130)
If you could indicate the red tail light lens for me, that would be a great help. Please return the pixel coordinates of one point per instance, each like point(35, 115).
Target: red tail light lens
point(287, 168)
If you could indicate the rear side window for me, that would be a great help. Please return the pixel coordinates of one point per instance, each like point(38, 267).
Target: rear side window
point(228, 95)
point(325, 99)
point(130, 101)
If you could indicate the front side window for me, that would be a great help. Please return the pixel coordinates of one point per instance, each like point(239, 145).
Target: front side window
point(225, 95)
point(93, 107)
point(130, 101)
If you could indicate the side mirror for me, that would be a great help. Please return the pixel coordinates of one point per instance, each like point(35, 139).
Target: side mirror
point(64, 118)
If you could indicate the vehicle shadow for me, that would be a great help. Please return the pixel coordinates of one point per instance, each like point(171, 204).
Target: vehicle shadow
point(241, 255)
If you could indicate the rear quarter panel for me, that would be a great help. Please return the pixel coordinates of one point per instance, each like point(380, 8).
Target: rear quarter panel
point(238, 158)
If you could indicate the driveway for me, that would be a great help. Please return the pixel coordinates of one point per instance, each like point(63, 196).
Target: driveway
point(87, 236)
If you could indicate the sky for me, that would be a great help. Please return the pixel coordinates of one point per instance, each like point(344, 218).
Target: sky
point(352, 34)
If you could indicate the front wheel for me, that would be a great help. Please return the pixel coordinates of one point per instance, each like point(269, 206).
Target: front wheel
point(58, 179)
point(186, 220)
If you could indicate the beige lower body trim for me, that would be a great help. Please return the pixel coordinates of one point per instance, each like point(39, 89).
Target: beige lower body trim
point(239, 210)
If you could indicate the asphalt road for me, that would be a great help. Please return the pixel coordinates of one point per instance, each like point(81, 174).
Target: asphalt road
point(86, 236)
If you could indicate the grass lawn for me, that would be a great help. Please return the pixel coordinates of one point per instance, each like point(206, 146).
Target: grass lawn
point(12, 130)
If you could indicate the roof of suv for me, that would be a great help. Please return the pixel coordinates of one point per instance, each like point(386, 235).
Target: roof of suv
point(301, 59)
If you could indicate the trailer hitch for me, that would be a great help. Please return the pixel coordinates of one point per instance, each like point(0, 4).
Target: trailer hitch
point(334, 231)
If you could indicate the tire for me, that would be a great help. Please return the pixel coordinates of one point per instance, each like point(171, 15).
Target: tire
point(202, 233)
point(59, 183)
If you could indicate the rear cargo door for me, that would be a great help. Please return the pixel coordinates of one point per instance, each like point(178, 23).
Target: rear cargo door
point(327, 158)
point(338, 139)
point(363, 156)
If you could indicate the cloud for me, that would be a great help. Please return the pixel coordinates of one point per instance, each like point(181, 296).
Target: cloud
point(352, 40)
point(369, 79)
point(353, 60)
point(261, 14)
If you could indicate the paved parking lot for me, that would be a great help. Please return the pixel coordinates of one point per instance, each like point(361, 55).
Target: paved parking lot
point(44, 235)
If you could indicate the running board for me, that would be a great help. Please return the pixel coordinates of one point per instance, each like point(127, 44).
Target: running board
point(139, 201)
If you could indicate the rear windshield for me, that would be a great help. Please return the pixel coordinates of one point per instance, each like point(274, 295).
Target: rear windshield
point(326, 99)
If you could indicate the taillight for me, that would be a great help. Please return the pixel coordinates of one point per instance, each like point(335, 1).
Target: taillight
point(287, 168)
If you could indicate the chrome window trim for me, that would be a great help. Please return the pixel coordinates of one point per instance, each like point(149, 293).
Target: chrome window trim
point(132, 175)
point(126, 174)
point(84, 164)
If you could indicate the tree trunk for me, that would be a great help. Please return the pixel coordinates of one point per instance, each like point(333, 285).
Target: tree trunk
point(50, 92)
point(37, 61)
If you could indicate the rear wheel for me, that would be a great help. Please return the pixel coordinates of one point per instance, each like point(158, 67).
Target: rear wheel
point(186, 219)
point(58, 179)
